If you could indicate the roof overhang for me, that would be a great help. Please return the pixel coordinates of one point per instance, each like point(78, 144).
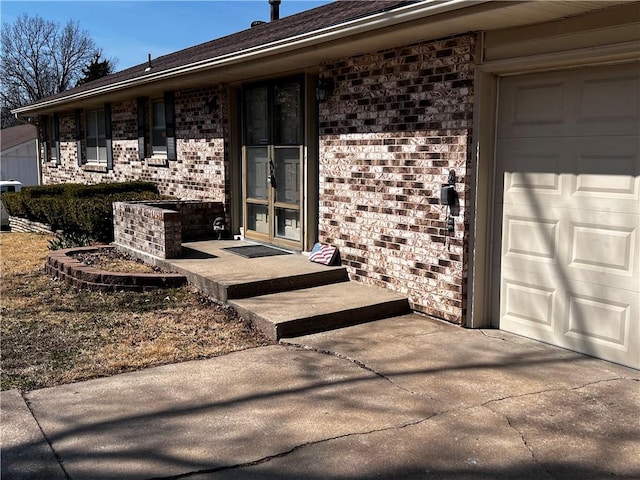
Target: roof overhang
point(422, 21)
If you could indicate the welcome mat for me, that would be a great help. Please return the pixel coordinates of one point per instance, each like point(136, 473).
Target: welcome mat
point(256, 251)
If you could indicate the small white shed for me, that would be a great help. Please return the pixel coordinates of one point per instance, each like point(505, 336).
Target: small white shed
point(18, 154)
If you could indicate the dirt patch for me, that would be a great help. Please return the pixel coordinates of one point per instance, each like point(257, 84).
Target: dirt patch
point(111, 259)
point(53, 333)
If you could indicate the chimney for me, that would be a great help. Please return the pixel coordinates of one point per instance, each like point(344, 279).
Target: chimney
point(275, 9)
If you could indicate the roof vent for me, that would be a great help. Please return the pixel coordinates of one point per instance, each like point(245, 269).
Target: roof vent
point(149, 66)
point(275, 9)
point(255, 23)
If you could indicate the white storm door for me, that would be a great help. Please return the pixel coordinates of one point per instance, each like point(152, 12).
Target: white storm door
point(566, 257)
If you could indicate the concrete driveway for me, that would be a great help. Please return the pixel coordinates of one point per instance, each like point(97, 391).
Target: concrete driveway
point(406, 398)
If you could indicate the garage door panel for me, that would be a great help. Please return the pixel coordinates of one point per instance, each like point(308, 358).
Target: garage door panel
point(600, 173)
point(535, 105)
point(606, 173)
point(586, 103)
point(611, 328)
point(566, 249)
point(531, 163)
point(530, 239)
point(529, 303)
point(532, 303)
point(529, 166)
point(602, 322)
point(608, 103)
point(603, 249)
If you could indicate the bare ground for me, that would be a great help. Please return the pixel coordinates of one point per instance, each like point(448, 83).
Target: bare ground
point(53, 333)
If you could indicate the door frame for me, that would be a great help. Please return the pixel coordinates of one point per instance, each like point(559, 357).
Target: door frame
point(486, 82)
point(309, 168)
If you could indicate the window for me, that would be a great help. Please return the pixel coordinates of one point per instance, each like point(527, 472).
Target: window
point(156, 118)
point(158, 128)
point(96, 137)
point(54, 139)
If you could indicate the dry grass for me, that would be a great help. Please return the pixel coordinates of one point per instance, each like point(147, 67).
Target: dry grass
point(53, 333)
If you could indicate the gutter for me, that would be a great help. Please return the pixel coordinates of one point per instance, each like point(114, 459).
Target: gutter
point(381, 20)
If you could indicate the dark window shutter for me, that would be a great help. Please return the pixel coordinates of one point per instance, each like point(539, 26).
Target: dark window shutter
point(55, 141)
point(79, 137)
point(142, 129)
point(108, 135)
point(170, 125)
point(44, 122)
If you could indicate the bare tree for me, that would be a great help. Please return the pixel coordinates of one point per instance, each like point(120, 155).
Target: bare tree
point(39, 59)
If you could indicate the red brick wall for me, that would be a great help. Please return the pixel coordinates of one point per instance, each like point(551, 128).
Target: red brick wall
point(200, 172)
point(398, 120)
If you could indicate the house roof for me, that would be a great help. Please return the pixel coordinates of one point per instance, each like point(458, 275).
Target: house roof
point(305, 22)
point(14, 136)
point(305, 40)
point(284, 28)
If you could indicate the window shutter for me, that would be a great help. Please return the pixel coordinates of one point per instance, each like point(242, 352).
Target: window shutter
point(44, 123)
point(142, 129)
point(108, 135)
point(55, 132)
point(79, 137)
point(170, 125)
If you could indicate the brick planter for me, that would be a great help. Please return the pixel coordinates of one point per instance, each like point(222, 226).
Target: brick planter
point(62, 265)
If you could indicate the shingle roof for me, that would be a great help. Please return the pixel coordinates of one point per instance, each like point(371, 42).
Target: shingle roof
point(302, 23)
point(13, 136)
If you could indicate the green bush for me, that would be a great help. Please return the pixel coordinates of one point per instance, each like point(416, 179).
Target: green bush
point(14, 203)
point(69, 240)
point(47, 190)
point(77, 210)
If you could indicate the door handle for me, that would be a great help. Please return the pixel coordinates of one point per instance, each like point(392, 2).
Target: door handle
point(271, 178)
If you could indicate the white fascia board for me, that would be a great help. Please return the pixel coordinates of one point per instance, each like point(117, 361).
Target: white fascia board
point(404, 14)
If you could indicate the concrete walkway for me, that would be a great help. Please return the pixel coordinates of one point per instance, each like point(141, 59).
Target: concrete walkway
point(405, 397)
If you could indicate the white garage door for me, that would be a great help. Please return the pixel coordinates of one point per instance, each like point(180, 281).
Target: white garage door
point(566, 256)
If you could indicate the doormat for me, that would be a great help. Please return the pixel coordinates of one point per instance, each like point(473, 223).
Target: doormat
point(256, 251)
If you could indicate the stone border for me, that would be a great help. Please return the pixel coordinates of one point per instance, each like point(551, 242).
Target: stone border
point(23, 225)
point(62, 265)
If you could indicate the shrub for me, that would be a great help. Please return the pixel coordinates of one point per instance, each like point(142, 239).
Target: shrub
point(14, 203)
point(76, 209)
point(69, 240)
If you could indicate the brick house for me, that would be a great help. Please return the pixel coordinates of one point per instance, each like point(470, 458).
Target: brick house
point(343, 123)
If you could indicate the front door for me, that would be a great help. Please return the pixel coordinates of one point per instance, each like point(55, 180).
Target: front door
point(272, 156)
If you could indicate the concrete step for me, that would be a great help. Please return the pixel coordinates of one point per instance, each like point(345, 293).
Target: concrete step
point(318, 309)
point(225, 276)
point(266, 282)
point(276, 284)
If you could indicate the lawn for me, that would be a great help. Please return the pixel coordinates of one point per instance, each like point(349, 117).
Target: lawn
point(53, 333)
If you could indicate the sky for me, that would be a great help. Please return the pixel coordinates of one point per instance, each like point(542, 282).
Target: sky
point(127, 31)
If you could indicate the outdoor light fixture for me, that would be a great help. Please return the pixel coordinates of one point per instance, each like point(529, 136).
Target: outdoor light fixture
point(324, 89)
point(210, 106)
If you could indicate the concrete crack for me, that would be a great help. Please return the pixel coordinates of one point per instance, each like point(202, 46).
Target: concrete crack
point(275, 456)
point(46, 438)
point(524, 443)
point(557, 389)
point(358, 363)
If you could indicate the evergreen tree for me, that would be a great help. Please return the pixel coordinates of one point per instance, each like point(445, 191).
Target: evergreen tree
point(96, 69)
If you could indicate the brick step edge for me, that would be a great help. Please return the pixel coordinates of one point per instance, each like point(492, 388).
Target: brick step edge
point(61, 264)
